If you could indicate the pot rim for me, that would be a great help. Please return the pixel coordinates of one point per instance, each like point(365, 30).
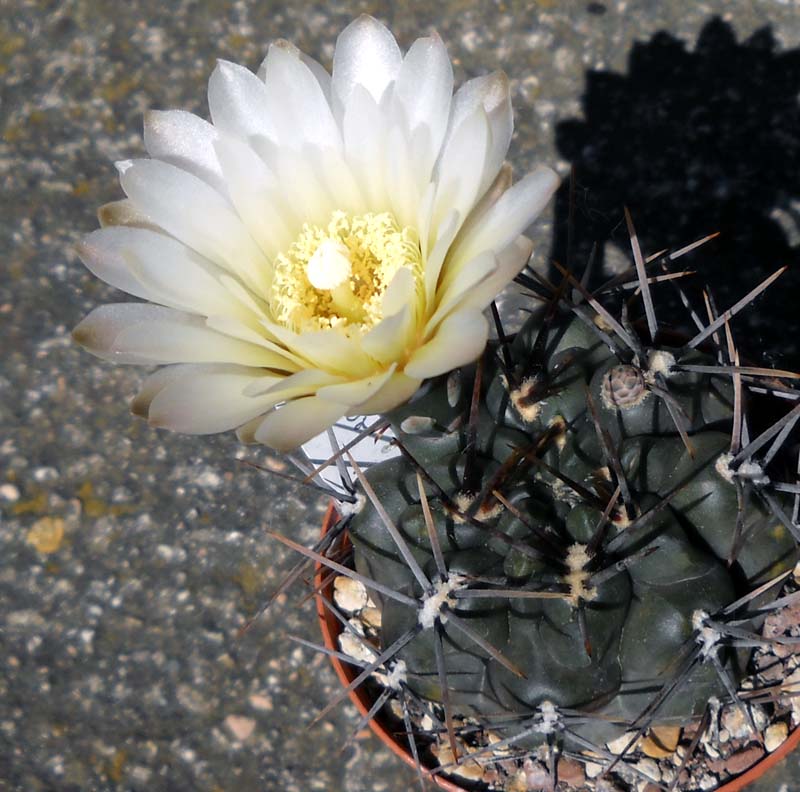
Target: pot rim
point(331, 628)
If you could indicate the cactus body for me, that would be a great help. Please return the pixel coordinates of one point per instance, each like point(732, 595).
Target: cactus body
point(601, 480)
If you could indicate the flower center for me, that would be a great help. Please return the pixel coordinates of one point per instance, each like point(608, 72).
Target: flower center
point(336, 275)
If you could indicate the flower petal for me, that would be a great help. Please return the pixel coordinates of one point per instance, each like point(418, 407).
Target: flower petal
point(298, 108)
point(516, 209)
point(458, 340)
point(329, 350)
point(317, 69)
point(257, 195)
point(424, 87)
point(458, 288)
point(186, 141)
point(148, 334)
point(363, 129)
point(182, 205)
point(510, 263)
point(462, 166)
point(352, 394)
point(124, 213)
point(158, 268)
point(366, 54)
point(238, 102)
point(492, 93)
point(302, 383)
point(398, 389)
point(201, 399)
point(296, 422)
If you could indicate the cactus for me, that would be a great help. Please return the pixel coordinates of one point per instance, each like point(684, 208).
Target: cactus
point(584, 529)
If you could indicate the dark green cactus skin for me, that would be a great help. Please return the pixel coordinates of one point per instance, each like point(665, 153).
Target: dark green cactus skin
point(639, 620)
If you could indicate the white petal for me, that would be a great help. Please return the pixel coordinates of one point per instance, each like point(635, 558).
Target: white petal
point(124, 213)
point(399, 293)
point(398, 389)
point(317, 69)
point(338, 180)
point(445, 234)
point(257, 195)
point(402, 183)
point(198, 216)
point(158, 268)
point(363, 129)
point(329, 350)
point(302, 187)
point(462, 166)
point(516, 209)
point(104, 259)
point(425, 86)
point(238, 102)
point(390, 338)
point(366, 54)
point(302, 383)
point(510, 263)
point(143, 333)
point(298, 108)
point(491, 92)
point(152, 385)
point(296, 422)
point(459, 339)
point(186, 141)
point(208, 399)
point(352, 394)
point(235, 328)
point(459, 287)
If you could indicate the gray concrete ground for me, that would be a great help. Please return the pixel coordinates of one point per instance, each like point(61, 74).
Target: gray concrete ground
point(130, 558)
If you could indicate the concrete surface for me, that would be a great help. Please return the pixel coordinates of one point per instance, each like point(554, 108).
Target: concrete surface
point(121, 665)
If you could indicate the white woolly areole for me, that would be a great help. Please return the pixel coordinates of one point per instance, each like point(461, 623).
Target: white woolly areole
point(346, 509)
point(442, 595)
point(751, 471)
point(550, 718)
point(577, 559)
point(707, 637)
point(397, 677)
point(488, 509)
point(660, 362)
point(330, 265)
point(521, 398)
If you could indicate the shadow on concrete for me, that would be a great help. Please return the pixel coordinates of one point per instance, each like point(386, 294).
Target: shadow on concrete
point(696, 141)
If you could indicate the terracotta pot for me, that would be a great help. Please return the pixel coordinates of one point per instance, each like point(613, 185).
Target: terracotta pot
point(330, 632)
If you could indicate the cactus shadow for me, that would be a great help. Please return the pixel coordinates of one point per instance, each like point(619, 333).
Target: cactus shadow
point(693, 141)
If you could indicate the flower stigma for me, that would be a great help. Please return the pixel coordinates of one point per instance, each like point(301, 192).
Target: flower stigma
point(336, 275)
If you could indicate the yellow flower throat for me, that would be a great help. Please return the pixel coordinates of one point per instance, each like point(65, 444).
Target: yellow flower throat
point(336, 275)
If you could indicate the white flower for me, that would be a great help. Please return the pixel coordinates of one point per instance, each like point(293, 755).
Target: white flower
point(323, 246)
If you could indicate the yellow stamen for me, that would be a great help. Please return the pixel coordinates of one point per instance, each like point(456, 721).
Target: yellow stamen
point(336, 275)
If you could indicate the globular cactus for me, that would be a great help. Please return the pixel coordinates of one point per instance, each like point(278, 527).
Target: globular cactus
point(575, 520)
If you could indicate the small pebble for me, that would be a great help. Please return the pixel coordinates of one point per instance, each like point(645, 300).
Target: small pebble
point(350, 595)
point(240, 726)
point(355, 647)
point(46, 534)
point(593, 769)
point(572, 772)
point(775, 736)
point(621, 743)
point(9, 492)
point(738, 762)
point(661, 741)
point(372, 617)
point(650, 768)
point(707, 781)
point(259, 702)
point(734, 719)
